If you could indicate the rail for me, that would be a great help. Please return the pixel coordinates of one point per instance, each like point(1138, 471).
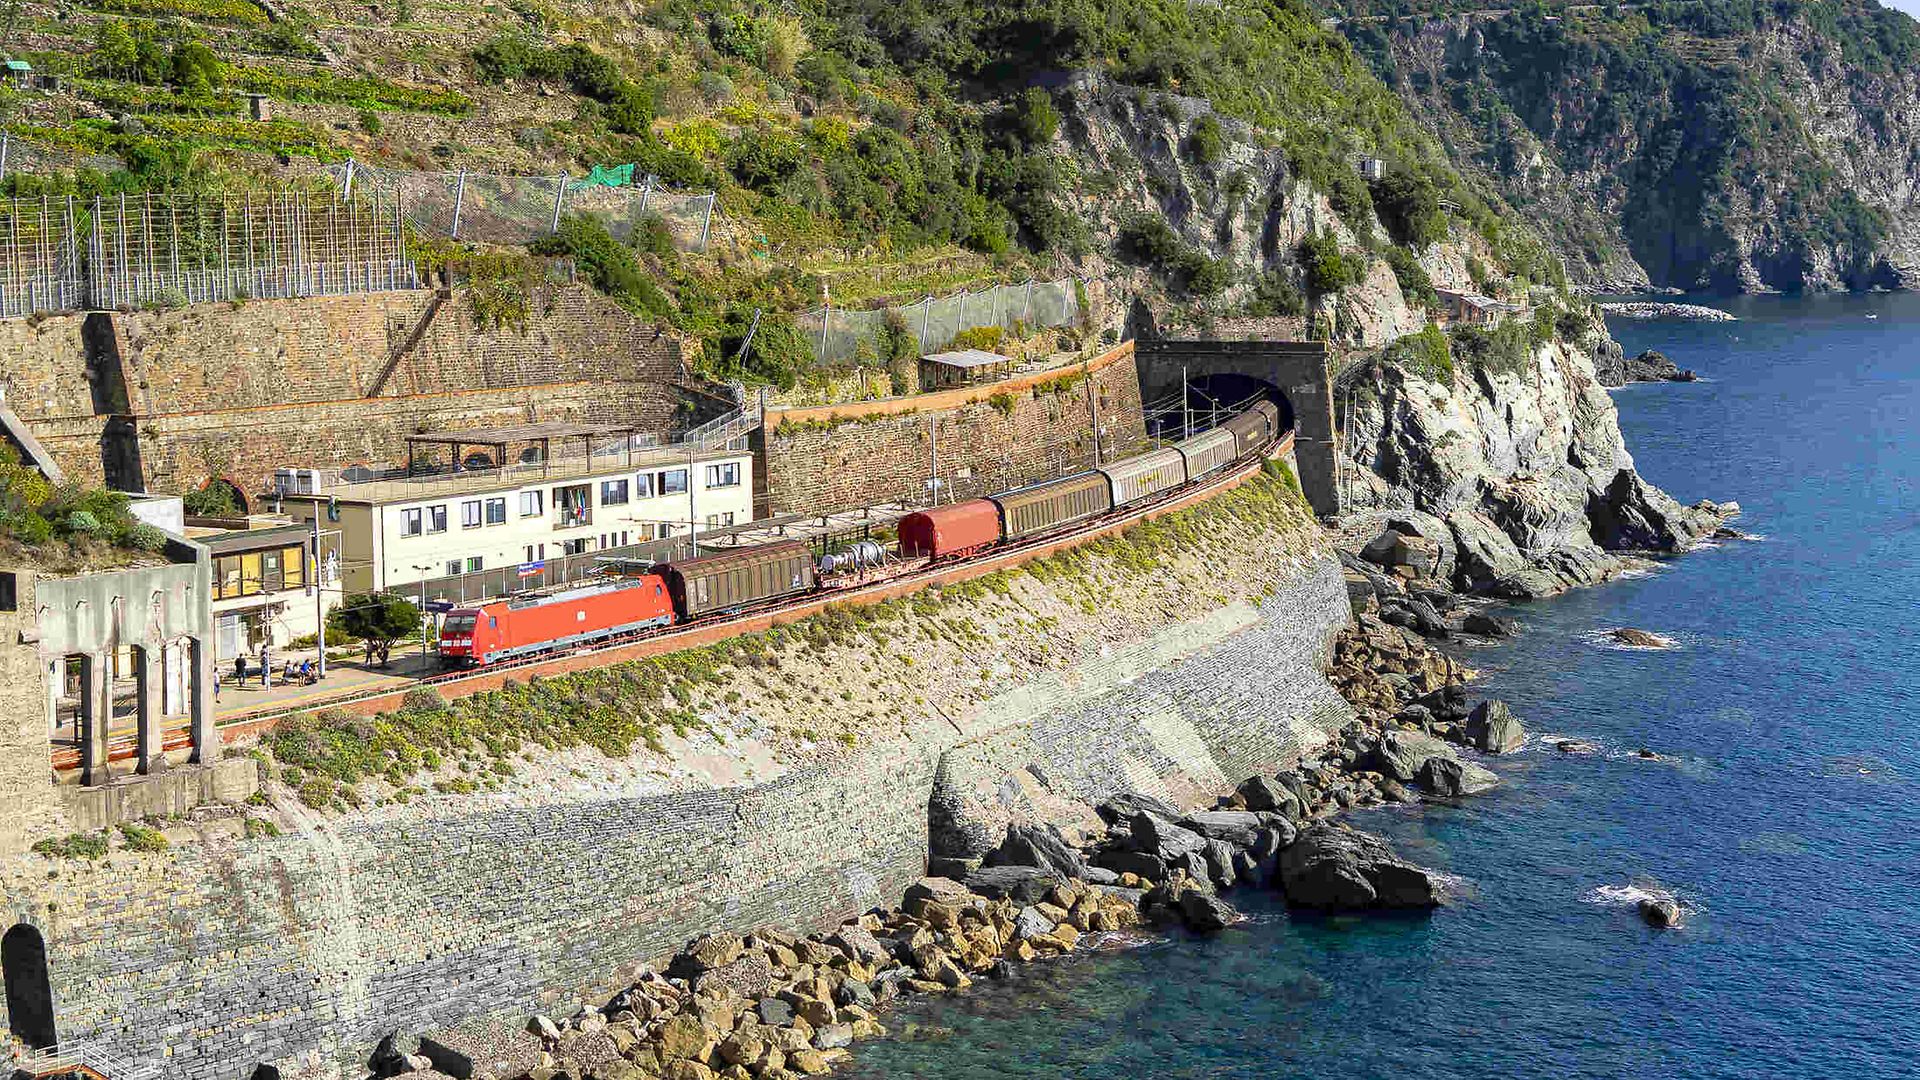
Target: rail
point(1006, 554)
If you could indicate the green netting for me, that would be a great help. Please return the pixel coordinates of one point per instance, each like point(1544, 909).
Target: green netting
point(837, 335)
point(607, 176)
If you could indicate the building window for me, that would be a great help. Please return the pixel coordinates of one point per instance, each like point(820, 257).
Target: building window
point(453, 567)
point(575, 547)
point(531, 503)
point(725, 475)
point(532, 549)
point(9, 592)
point(470, 514)
point(613, 493)
point(666, 530)
point(293, 567)
point(643, 486)
point(475, 564)
point(573, 506)
point(716, 520)
point(644, 532)
point(496, 511)
point(437, 518)
point(410, 522)
point(673, 482)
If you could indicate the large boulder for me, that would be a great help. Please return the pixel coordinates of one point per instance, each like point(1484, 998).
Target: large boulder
point(1492, 727)
point(1235, 827)
point(1447, 777)
point(1122, 861)
point(1156, 835)
point(1394, 548)
point(1333, 867)
point(1261, 793)
point(1661, 913)
point(1021, 884)
point(1402, 754)
point(1038, 846)
point(1122, 806)
point(1205, 914)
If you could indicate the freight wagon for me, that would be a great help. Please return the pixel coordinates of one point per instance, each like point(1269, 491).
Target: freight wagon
point(1145, 476)
point(736, 579)
point(507, 629)
point(1254, 428)
point(948, 532)
point(1044, 507)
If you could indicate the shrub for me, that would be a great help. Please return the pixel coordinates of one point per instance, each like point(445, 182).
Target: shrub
point(1415, 284)
point(370, 121)
point(75, 846)
point(1409, 208)
point(1426, 354)
point(1206, 141)
point(145, 537)
point(1032, 119)
point(609, 265)
point(142, 838)
point(81, 521)
point(1275, 294)
point(1328, 271)
point(984, 338)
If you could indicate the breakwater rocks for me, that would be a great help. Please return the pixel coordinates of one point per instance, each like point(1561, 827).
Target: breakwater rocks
point(1666, 309)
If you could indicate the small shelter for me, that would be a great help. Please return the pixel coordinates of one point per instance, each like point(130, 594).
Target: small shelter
point(939, 371)
point(20, 74)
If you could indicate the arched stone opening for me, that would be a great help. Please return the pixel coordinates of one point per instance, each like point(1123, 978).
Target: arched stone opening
point(1211, 399)
point(23, 964)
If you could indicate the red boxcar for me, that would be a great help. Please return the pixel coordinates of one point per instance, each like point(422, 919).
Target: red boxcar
point(505, 629)
point(949, 531)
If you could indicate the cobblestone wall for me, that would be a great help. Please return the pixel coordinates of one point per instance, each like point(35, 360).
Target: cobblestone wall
point(983, 440)
point(306, 948)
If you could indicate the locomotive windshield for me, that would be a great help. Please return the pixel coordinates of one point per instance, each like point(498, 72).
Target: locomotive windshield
point(458, 625)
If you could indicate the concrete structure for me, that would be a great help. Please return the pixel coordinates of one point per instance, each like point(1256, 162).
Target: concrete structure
point(974, 440)
point(394, 533)
point(1295, 373)
point(1472, 309)
point(165, 401)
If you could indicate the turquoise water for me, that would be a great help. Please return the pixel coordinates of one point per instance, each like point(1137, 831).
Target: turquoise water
point(1786, 818)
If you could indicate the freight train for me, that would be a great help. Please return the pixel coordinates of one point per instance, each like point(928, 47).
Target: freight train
point(736, 580)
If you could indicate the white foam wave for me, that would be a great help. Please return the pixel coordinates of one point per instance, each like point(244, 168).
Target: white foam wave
point(1603, 638)
point(1623, 895)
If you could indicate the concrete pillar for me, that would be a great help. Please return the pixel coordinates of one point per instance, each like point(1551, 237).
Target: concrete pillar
point(206, 737)
point(151, 754)
point(96, 718)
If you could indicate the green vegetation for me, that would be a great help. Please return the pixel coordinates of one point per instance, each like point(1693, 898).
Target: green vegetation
point(621, 707)
point(70, 522)
point(1148, 239)
point(143, 838)
point(88, 846)
point(1415, 284)
point(1328, 270)
point(378, 619)
point(1427, 354)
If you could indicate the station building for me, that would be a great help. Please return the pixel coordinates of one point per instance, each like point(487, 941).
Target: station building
point(506, 506)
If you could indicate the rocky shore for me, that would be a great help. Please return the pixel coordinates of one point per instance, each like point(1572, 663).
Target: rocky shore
point(1665, 309)
point(1617, 369)
point(763, 1003)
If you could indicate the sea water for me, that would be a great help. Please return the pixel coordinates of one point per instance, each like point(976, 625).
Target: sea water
point(1782, 812)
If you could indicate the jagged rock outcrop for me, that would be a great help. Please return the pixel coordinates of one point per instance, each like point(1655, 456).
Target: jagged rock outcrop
point(1520, 477)
point(1614, 368)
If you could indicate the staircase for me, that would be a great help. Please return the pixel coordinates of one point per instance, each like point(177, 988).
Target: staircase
point(410, 342)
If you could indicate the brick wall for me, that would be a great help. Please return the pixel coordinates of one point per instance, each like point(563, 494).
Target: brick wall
point(274, 383)
point(988, 438)
point(306, 948)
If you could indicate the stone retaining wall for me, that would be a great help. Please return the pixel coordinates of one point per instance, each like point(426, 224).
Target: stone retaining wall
point(305, 949)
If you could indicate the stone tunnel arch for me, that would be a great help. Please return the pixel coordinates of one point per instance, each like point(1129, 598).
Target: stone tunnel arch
point(1296, 374)
point(23, 964)
point(1211, 396)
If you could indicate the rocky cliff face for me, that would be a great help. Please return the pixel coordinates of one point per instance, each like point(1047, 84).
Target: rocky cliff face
point(1756, 151)
point(1522, 476)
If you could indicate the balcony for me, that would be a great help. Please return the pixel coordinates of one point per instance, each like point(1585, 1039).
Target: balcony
point(572, 517)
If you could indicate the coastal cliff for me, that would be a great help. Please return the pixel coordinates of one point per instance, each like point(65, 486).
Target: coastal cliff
point(1755, 149)
point(1512, 462)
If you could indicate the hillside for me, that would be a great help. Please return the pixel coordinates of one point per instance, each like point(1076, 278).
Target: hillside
point(1201, 158)
point(1723, 145)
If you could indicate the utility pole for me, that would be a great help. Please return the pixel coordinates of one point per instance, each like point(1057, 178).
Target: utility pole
point(319, 599)
point(693, 516)
point(1093, 412)
point(425, 619)
point(1186, 406)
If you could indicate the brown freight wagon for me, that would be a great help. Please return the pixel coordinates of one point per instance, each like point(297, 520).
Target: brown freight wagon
point(1046, 506)
point(1254, 428)
point(733, 579)
point(1146, 475)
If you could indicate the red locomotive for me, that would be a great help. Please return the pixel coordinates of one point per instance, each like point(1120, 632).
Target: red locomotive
point(505, 629)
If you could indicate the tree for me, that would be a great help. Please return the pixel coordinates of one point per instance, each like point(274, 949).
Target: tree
point(114, 49)
point(379, 619)
point(195, 68)
point(1328, 271)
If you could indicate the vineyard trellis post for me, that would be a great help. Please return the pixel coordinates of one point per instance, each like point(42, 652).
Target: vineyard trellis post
point(459, 196)
point(559, 200)
point(707, 221)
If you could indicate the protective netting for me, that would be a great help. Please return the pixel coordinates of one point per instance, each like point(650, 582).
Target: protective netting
point(498, 209)
point(40, 268)
point(837, 335)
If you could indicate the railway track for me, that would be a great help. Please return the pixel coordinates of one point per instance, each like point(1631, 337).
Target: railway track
point(123, 747)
